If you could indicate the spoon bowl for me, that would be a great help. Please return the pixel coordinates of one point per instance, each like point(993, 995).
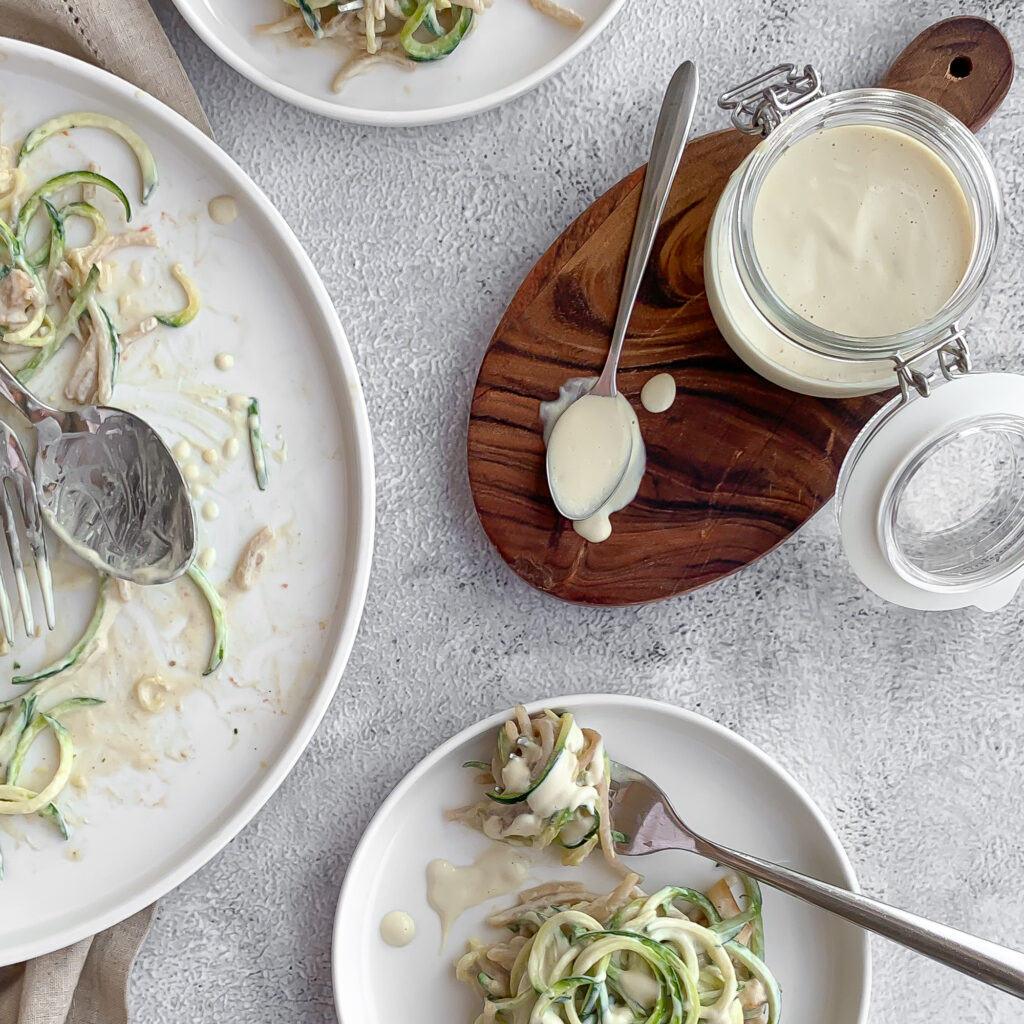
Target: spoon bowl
point(110, 488)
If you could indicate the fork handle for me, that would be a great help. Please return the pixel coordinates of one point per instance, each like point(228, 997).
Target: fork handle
point(987, 961)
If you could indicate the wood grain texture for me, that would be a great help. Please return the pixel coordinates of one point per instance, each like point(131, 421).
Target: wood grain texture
point(737, 464)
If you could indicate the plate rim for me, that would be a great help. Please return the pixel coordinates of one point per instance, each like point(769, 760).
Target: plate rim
point(395, 118)
point(364, 506)
point(691, 718)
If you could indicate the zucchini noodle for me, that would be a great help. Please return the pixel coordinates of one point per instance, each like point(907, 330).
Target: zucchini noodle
point(568, 956)
point(547, 783)
point(398, 32)
point(49, 291)
point(50, 297)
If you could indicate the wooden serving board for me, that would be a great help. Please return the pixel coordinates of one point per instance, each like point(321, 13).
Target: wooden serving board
point(737, 464)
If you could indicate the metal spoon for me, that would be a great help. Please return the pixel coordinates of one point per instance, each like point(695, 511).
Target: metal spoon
point(666, 151)
point(109, 488)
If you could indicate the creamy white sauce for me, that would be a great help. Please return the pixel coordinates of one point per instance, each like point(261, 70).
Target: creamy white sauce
point(210, 510)
point(222, 209)
point(639, 985)
point(515, 774)
point(191, 472)
point(151, 693)
point(598, 527)
point(862, 230)
point(562, 789)
point(397, 928)
point(206, 559)
point(658, 393)
point(224, 361)
point(211, 456)
point(452, 889)
point(230, 448)
point(587, 453)
point(238, 403)
point(182, 450)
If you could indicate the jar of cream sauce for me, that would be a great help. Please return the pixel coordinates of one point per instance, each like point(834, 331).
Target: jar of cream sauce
point(844, 258)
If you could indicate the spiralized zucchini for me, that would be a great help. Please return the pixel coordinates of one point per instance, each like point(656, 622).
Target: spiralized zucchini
point(398, 32)
point(49, 290)
point(546, 783)
point(571, 957)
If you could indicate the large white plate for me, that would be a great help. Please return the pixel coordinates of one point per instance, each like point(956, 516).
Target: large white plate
point(218, 758)
point(723, 786)
point(512, 49)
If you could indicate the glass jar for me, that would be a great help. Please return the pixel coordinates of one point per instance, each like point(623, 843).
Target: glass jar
point(930, 498)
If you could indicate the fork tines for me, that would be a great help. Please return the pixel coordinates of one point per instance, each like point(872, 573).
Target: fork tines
point(16, 480)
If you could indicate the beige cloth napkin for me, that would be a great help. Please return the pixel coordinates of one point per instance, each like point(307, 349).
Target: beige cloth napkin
point(87, 983)
point(122, 36)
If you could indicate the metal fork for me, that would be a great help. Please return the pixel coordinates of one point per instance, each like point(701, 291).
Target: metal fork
point(16, 477)
point(646, 820)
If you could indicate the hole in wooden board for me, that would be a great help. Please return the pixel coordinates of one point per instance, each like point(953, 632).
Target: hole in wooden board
point(960, 67)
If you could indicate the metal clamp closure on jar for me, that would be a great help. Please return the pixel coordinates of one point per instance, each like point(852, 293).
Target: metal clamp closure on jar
point(930, 495)
point(760, 106)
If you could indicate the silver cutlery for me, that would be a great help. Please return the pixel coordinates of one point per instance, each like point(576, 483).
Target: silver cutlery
point(109, 487)
point(16, 481)
point(670, 136)
point(647, 823)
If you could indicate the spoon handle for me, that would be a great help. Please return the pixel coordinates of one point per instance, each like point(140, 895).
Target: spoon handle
point(17, 394)
point(987, 961)
point(666, 152)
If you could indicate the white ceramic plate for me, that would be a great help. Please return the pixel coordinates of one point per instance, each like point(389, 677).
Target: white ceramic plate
point(512, 49)
point(139, 832)
point(724, 787)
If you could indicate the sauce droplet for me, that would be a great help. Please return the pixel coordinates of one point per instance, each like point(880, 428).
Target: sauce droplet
point(210, 510)
point(658, 393)
point(397, 928)
point(222, 209)
point(224, 361)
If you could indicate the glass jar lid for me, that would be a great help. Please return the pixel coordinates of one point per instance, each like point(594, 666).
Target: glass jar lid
point(925, 123)
point(930, 500)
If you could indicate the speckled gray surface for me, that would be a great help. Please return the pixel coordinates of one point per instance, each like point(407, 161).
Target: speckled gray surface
point(906, 728)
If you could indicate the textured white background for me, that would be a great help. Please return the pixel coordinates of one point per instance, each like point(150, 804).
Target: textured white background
point(907, 729)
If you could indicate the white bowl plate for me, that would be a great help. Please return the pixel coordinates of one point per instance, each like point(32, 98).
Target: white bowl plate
point(140, 832)
point(721, 784)
point(511, 49)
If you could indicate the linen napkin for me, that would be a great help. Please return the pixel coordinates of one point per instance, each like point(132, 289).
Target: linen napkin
point(87, 983)
point(122, 36)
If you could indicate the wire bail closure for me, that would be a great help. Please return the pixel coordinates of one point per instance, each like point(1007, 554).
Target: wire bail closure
point(954, 359)
point(759, 105)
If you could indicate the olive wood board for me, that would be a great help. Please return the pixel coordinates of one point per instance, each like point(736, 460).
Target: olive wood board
point(737, 464)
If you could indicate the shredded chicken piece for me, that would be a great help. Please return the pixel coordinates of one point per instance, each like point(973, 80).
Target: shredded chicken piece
point(253, 557)
point(18, 298)
point(628, 889)
point(565, 15)
point(140, 330)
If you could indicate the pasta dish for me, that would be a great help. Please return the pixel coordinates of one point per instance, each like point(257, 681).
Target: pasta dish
point(398, 32)
point(679, 956)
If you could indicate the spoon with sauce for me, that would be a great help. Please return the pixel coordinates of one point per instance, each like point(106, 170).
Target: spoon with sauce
point(109, 488)
point(591, 443)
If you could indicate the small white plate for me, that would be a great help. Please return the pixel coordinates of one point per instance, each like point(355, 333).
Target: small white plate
point(511, 49)
point(218, 756)
point(724, 786)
